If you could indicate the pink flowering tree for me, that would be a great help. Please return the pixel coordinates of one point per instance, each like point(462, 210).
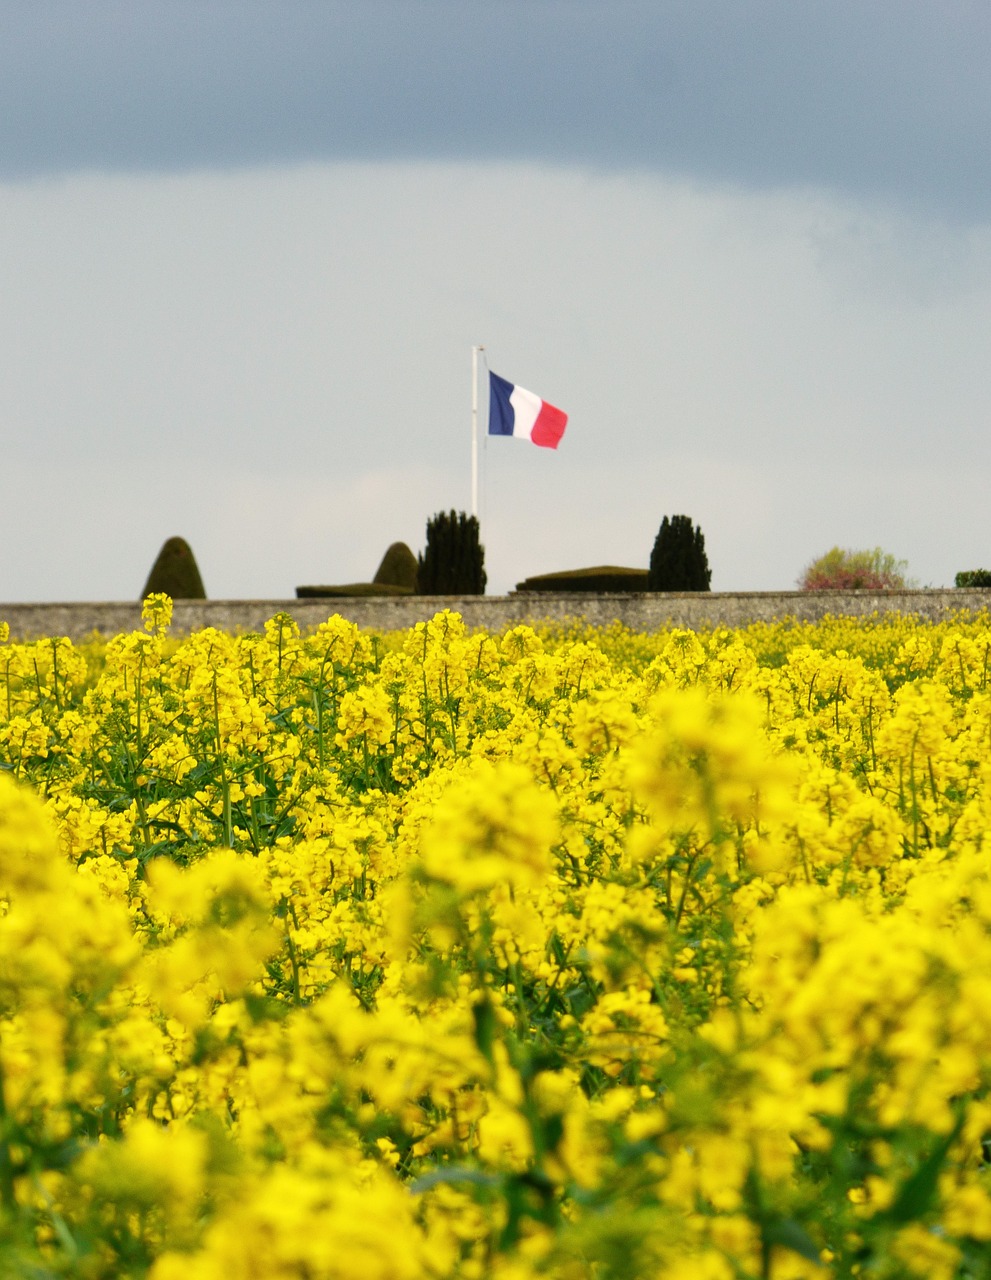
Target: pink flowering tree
point(842, 570)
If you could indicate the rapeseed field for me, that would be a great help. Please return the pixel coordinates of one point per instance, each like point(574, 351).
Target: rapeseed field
point(570, 954)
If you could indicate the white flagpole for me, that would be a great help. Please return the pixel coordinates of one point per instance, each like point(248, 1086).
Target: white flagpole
point(474, 429)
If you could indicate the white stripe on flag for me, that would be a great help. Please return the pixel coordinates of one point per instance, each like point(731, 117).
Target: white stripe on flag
point(526, 407)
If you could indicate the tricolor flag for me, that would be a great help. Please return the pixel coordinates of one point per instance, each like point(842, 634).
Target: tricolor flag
point(515, 412)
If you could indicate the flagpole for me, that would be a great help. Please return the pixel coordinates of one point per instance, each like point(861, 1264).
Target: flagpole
point(474, 429)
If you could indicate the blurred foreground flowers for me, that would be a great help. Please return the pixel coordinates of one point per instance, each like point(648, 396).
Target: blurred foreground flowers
point(567, 954)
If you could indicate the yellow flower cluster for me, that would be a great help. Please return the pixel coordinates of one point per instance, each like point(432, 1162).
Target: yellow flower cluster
point(551, 953)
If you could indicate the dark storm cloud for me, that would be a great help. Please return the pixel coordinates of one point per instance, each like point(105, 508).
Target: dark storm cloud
point(876, 98)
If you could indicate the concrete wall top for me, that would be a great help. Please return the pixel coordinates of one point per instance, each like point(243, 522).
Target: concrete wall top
point(647, 611)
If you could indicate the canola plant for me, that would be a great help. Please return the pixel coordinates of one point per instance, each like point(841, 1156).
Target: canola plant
point(574, 954)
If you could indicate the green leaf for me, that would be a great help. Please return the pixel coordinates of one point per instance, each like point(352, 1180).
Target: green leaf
point(485, 1026)
point(789, 1234)
point(917, 1192)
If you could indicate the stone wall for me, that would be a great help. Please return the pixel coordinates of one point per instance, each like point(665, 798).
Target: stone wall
point(640, 612)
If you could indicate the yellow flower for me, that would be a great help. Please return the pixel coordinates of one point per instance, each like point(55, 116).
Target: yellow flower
point(156, 613)
point(365, 713)
point(492, 825)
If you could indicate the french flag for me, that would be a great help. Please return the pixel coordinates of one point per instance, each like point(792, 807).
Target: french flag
point(516, 412)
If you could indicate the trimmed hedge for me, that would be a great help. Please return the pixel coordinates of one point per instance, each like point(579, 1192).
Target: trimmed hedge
point(603, 577)
point(353, 589)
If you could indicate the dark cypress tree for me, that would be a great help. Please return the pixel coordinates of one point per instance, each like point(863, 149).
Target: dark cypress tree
point(453, 561)
point(678, 561)
point(175, 573)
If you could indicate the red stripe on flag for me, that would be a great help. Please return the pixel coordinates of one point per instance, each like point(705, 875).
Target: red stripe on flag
point(549, 426)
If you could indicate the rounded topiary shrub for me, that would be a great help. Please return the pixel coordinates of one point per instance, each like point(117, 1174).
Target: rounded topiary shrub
point(175, 573)
point(398, 568)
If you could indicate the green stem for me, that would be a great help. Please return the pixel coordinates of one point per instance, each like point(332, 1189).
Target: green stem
point(139, 757)
point(58, 703)
point(293, 958)
point(225, 788)
point(8, 1199)
point(318, 707)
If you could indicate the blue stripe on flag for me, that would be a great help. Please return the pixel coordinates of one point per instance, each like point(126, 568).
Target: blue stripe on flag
point(502, 416)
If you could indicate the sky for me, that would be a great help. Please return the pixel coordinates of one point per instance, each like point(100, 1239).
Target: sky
point(246, 248)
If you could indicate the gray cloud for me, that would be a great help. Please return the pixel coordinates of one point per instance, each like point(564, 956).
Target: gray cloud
point(879, 98)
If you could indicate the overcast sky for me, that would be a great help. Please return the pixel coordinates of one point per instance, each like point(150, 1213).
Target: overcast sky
point(246, 248)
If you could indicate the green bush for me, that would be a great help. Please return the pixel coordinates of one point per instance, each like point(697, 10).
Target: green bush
point(606, 577)
point(678, 561)
point(840, 570)
point(453, 561)
point(175, 573)
point(973, 578)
